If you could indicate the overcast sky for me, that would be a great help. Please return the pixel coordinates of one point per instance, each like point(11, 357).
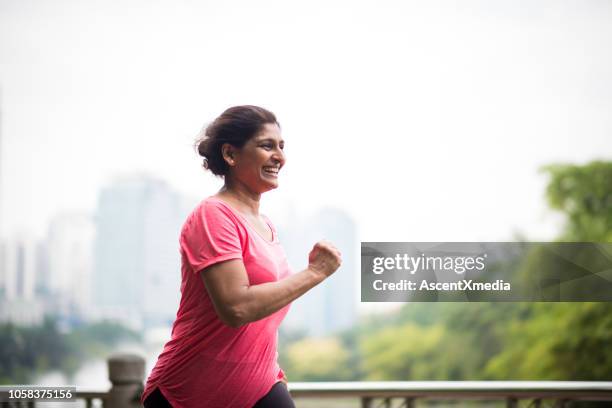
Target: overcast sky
point(426, 121)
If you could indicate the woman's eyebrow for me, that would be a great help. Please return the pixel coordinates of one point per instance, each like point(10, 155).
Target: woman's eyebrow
point(269, 139)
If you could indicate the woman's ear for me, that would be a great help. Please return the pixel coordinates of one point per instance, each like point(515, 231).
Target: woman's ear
point(227, 150)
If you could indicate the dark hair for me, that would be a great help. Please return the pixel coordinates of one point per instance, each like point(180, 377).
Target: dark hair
point(235, 126)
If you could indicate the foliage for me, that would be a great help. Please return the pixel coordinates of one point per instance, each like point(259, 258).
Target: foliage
point(560, 341)
point(566, 341)
point(29, 351)
point(584, 195)
point(403, 353)
point(317, 359)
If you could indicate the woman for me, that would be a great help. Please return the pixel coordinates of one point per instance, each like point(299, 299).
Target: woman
point(236, 284)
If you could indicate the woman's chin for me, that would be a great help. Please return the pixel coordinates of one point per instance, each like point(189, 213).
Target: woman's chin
point(272, 186)
point(270, 183)
point(264, 187)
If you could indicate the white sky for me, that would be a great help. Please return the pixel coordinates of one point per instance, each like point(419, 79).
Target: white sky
point(427, 121)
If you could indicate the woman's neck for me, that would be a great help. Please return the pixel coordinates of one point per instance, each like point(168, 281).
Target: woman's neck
point(245, 200)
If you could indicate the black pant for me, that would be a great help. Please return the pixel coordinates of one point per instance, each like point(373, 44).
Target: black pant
point(277, 397)
point(156, 400)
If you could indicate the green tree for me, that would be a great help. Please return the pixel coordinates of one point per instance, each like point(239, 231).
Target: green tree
point(584, 195)
point(566, 341)
point(27, 351)
point(317, 359)
point(30, 351)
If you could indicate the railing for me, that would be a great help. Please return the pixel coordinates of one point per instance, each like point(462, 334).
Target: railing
point(405, 393)
point(127, 372)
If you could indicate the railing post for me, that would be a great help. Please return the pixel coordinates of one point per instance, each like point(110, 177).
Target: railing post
point(126, 374)
point(366, 402)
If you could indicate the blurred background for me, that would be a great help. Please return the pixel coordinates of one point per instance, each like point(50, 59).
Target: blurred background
point(404, 121)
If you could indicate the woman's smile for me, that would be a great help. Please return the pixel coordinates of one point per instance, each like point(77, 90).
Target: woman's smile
point(271, 171)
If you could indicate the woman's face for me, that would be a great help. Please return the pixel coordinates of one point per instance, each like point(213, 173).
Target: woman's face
point(259, 161)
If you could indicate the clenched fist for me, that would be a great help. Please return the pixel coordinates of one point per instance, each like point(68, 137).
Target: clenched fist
point(324, 258)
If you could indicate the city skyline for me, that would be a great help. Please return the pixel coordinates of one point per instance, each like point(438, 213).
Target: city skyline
point(123, 263)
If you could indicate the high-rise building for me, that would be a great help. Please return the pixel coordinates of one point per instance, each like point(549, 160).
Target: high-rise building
point(137, 262)
point(18, 302)
point(69, 251)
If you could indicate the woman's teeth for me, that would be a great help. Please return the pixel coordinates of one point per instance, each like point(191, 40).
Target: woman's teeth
point(271, 170)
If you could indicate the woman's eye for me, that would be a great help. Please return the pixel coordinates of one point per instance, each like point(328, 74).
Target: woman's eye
point(267, 146)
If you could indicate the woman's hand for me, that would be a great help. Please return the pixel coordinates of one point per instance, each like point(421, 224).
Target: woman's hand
point(324, 259)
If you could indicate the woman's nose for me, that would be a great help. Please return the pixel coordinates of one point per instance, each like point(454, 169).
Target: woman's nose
point(279, 156)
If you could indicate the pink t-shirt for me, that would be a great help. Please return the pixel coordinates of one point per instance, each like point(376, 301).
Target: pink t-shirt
point(207, 363)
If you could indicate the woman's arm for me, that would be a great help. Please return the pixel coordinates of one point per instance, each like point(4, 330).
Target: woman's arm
point(238, 303)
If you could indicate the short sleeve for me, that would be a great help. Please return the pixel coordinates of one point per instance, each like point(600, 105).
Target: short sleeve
point(210, 235)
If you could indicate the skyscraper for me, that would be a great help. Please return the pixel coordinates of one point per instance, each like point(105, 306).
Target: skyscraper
point(69, 250)
point(18, 302)
point(137, 262)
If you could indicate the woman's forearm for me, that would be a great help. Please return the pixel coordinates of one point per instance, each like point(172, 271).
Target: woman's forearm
point(237, 302)
point(259, 301)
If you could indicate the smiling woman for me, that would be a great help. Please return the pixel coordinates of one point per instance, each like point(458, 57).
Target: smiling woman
point(236, 284)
